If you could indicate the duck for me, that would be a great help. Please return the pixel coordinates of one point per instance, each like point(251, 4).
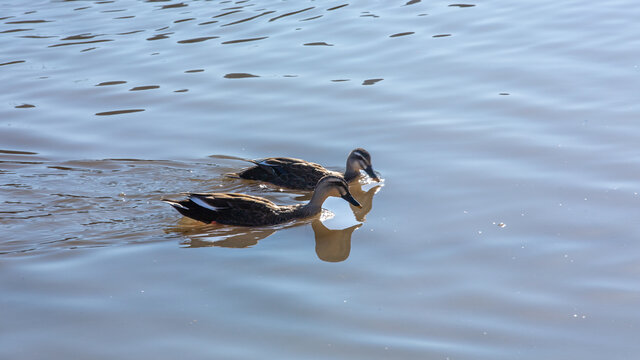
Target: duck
point(247, 210)
point(299, 174)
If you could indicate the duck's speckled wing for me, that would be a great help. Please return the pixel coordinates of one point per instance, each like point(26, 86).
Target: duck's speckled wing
point(287, 172)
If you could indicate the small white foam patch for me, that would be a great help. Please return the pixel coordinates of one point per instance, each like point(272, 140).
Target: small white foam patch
point(366, 180)
point(326, 215)
point(204, 204)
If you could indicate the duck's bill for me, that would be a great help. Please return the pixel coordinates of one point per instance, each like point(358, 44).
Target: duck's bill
point(371, 173)
point(351, 200)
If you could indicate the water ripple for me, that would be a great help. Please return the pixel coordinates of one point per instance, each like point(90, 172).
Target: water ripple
point(118, 112)
point(80, 43)
point(145, 87)
point(239, 76)
point(291, 13)
point(249, 18)
point(244, 40)
point(197, 40)
point(109, 83)
point(12, 62)
point(430, 274)
point(402, 34)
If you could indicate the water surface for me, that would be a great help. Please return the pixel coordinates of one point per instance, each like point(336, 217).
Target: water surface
point(506, 134)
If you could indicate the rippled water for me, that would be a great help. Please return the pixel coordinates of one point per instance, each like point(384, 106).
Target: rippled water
point(506, 134)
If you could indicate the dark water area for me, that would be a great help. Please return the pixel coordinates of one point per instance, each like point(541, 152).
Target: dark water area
point(505, 227)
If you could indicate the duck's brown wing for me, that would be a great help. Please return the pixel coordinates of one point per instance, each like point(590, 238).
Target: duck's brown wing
point(237, 209)
point(287, 172)
point(225, 208)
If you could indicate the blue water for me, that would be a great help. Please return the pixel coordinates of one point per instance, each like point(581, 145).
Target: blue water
point(505, 132)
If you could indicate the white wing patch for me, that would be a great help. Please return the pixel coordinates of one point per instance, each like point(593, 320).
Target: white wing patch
point(175, 203)
point(265, 163)
point(204, 204)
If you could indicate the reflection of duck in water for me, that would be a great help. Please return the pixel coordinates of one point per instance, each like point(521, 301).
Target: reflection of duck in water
point(303, 175)
point(242, 239)
point(247, 210)
point(199, 235)
point(365, 198)
point(332, 245)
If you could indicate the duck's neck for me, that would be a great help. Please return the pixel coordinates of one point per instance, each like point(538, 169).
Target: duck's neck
point(315, 204)
point(351, 172)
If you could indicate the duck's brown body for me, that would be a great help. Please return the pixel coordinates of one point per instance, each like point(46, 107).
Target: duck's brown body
point(248, 210)
point(287, 172)
point(304, 175)
point(237, 209)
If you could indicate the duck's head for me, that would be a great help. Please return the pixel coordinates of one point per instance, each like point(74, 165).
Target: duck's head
point(331, 185)
point(360, 159)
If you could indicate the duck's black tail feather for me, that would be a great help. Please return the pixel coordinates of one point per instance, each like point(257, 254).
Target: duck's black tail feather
point(255, 173)
point(192, 210)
